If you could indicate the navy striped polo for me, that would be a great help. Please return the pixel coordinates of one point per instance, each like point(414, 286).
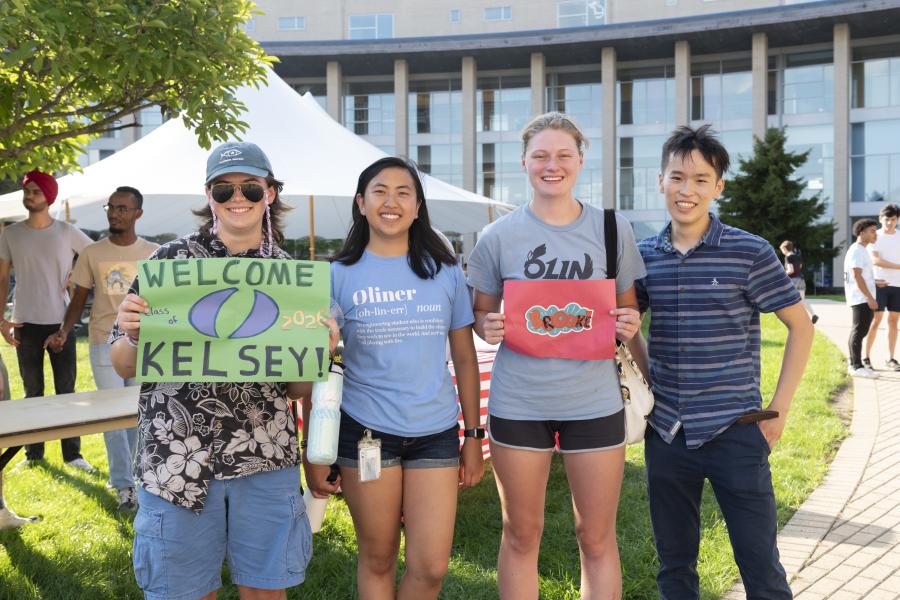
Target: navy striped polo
point(704, 331)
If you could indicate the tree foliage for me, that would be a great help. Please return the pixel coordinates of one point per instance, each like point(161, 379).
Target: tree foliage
point(766, 199)
point(73, 69)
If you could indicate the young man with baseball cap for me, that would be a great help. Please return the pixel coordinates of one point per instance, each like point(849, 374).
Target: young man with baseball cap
point(227, 483)
point(41, 249)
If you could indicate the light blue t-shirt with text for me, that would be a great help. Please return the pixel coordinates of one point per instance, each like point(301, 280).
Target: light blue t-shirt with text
point(395, 338)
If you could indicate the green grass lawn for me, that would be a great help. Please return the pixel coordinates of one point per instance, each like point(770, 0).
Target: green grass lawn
point(81, 550)
point(835, 297)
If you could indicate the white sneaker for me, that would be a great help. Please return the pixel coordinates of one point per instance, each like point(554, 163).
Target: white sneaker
point(127, 499)
point(80, 463)
point(9, 519)
point(863, 372)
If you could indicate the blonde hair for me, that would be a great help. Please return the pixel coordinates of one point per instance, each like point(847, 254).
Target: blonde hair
point(553, 120)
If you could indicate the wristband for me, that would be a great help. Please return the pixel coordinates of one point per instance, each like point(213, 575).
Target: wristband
point(132, 341)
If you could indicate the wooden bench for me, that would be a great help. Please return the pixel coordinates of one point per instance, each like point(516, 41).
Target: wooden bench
point(33, 420)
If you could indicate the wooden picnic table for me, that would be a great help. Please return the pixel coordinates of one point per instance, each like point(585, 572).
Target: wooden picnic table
point(33, 420)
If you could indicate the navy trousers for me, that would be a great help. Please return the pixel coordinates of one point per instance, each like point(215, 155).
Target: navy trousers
point(737, 465)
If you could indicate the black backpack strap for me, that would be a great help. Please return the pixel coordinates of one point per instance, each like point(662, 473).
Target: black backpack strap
point(610, 235)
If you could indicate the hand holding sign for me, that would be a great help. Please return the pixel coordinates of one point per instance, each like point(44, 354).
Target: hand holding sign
point(561, 318)
point(232, 320)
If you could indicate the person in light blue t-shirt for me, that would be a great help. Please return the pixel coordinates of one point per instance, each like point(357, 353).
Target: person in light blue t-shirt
point(403, 296)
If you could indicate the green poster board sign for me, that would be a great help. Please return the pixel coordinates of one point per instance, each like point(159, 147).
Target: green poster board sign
point(233, 320)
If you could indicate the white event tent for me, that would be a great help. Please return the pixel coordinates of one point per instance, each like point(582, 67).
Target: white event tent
point(318, 159)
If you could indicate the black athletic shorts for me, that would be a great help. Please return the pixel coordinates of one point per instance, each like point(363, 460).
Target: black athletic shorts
point(888, 297)
point(586, 435)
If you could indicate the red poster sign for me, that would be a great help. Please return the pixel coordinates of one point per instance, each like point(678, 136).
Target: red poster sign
point(560, 318)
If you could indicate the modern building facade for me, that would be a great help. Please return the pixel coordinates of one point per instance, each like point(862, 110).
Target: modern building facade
point(450, 83)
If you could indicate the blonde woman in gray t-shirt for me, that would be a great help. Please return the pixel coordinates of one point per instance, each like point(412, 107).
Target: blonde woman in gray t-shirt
point(534, 401)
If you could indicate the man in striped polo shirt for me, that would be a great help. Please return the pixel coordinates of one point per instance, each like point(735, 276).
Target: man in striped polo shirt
point(706, 285)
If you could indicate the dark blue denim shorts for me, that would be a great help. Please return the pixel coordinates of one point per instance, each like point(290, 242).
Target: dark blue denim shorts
point(426, 452)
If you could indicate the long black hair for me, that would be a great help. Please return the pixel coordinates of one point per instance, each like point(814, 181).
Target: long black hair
point(428, 250)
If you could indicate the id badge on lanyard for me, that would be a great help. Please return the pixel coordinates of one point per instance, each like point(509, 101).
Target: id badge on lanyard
point(369, 457)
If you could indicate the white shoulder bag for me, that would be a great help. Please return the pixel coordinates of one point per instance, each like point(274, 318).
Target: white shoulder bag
point(636, 395)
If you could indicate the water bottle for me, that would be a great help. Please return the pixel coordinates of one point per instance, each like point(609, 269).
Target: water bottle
point(315, 507)
point(315, 510)
point(325, 416)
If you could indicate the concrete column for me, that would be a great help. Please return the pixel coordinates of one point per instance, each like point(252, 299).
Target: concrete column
point(469, 95)
point(760, 79)
point(401, 107)
point(334, 89)
point(538, 84)
point(682, 83)
point(608, 127)
point(841, 120)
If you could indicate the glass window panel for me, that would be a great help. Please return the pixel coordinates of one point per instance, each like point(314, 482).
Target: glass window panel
point(375, 26)
point(875, 161)
point(894, 188)
point(639, 162)
point(385, 26)
point(369, 108)
point(498, 13)
point(291, 22)
point(772, 100)
point(737, 95)
point(503, 103)
point(808, 83)
point(646, 96)
point(819, 167)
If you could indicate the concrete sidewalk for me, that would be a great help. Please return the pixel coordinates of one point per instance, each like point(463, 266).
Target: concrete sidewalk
point(844, 542)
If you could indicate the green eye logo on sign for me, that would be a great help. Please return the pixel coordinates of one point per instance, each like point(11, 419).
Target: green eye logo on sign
point(233, 320)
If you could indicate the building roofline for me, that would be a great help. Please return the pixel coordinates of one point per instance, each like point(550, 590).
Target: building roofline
point(717, 32)
point(756, 17)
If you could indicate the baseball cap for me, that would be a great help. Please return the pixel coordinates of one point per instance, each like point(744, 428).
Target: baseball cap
point(237, 157)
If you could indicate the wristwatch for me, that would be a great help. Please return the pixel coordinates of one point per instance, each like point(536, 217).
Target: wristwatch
point(477, 432)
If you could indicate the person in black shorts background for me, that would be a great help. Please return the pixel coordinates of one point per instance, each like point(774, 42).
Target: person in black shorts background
point(885, 253)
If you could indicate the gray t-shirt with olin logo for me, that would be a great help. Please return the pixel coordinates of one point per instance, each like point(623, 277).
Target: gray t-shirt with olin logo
point(520, 246)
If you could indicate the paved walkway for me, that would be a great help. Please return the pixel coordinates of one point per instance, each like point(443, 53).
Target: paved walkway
point(844, 542)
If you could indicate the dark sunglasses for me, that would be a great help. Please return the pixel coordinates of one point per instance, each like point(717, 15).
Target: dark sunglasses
point(222, 192)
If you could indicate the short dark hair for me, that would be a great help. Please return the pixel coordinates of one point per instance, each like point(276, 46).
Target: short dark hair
point(138, 197)
point(862, 225)
point(890, 210)
point(685, 140)
point(428, 250)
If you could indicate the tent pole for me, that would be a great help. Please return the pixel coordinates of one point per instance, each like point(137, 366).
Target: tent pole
point(312, 229)
point(490, 213)
point(68, 213)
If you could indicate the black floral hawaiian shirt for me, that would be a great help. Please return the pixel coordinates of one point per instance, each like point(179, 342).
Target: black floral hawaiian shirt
point(192, 433)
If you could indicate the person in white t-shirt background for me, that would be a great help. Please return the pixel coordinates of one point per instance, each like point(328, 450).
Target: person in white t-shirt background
point(859, 288)
point(885, 253)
